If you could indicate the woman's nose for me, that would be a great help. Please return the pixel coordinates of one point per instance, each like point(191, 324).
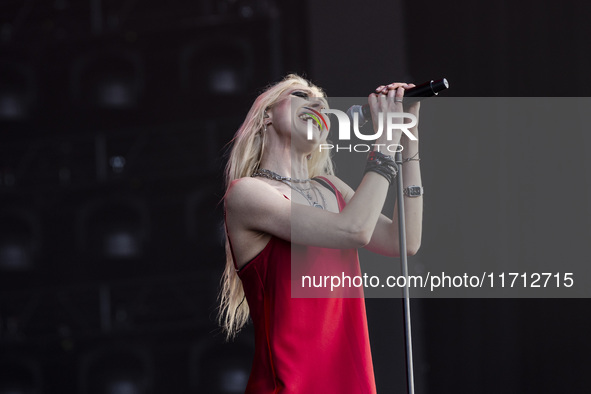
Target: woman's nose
point(316, 103)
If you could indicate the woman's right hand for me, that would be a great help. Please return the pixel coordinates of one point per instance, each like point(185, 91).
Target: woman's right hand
point(387, 99)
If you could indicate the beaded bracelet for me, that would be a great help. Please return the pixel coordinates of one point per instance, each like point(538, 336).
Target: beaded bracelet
point(381, 164)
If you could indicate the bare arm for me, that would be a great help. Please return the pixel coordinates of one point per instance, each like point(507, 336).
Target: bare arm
point(385, 238)
point(254, 206)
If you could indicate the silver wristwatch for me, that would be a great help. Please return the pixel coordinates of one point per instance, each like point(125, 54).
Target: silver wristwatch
point(413, 191)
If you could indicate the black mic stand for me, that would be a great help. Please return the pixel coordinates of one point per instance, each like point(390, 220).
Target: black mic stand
point(410, 383)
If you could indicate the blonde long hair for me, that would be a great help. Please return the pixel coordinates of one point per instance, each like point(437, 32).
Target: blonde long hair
point(245, 157)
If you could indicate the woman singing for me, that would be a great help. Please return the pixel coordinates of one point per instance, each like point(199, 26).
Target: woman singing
point(284, 207)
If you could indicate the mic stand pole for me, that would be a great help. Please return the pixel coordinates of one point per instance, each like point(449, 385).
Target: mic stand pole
point(410, 384)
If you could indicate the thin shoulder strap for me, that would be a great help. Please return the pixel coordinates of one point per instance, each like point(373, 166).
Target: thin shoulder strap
point(326, 183)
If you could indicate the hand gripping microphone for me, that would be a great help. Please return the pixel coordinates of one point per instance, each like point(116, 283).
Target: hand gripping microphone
point(427, 89)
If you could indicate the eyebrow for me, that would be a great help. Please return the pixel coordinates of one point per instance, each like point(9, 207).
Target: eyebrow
point(311, 93)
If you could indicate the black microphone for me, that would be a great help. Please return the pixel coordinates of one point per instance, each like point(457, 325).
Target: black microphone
point(427, 89)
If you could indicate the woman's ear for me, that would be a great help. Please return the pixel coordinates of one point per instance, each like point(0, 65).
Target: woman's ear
point(267, 118)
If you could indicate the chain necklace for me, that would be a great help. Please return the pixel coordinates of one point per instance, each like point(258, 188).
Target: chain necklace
point(305, 192)
point(273, 175)
point(313, 201)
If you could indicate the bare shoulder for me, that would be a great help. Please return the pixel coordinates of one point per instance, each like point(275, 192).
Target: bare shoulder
point(253, 207)
point(245, 192)
point(345, 189)
point(243, 187)
point(253, 203)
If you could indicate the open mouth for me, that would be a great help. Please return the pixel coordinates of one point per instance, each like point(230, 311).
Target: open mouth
point(314, 116)
point(305, 117)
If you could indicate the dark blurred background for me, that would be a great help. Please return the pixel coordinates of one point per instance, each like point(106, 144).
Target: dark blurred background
point(114, 116)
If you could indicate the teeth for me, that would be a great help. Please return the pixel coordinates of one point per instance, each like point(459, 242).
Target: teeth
point(307, 116)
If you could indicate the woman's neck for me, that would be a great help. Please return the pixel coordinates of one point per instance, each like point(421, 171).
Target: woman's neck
point(285, 163)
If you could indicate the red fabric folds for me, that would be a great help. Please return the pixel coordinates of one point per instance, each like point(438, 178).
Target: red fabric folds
point(306, 345)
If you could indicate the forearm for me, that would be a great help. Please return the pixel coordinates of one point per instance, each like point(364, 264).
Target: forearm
point(413, 206)
point(385, 238)
point(363, 210)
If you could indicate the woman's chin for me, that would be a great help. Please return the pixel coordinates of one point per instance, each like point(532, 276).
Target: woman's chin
point(307, 148)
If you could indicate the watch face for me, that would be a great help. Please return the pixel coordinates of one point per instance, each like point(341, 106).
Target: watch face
point(414, 191)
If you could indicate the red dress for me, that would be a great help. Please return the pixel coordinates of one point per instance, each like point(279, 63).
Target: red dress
point(306, 345)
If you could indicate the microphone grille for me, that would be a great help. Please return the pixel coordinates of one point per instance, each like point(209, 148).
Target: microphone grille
point(354, 109)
